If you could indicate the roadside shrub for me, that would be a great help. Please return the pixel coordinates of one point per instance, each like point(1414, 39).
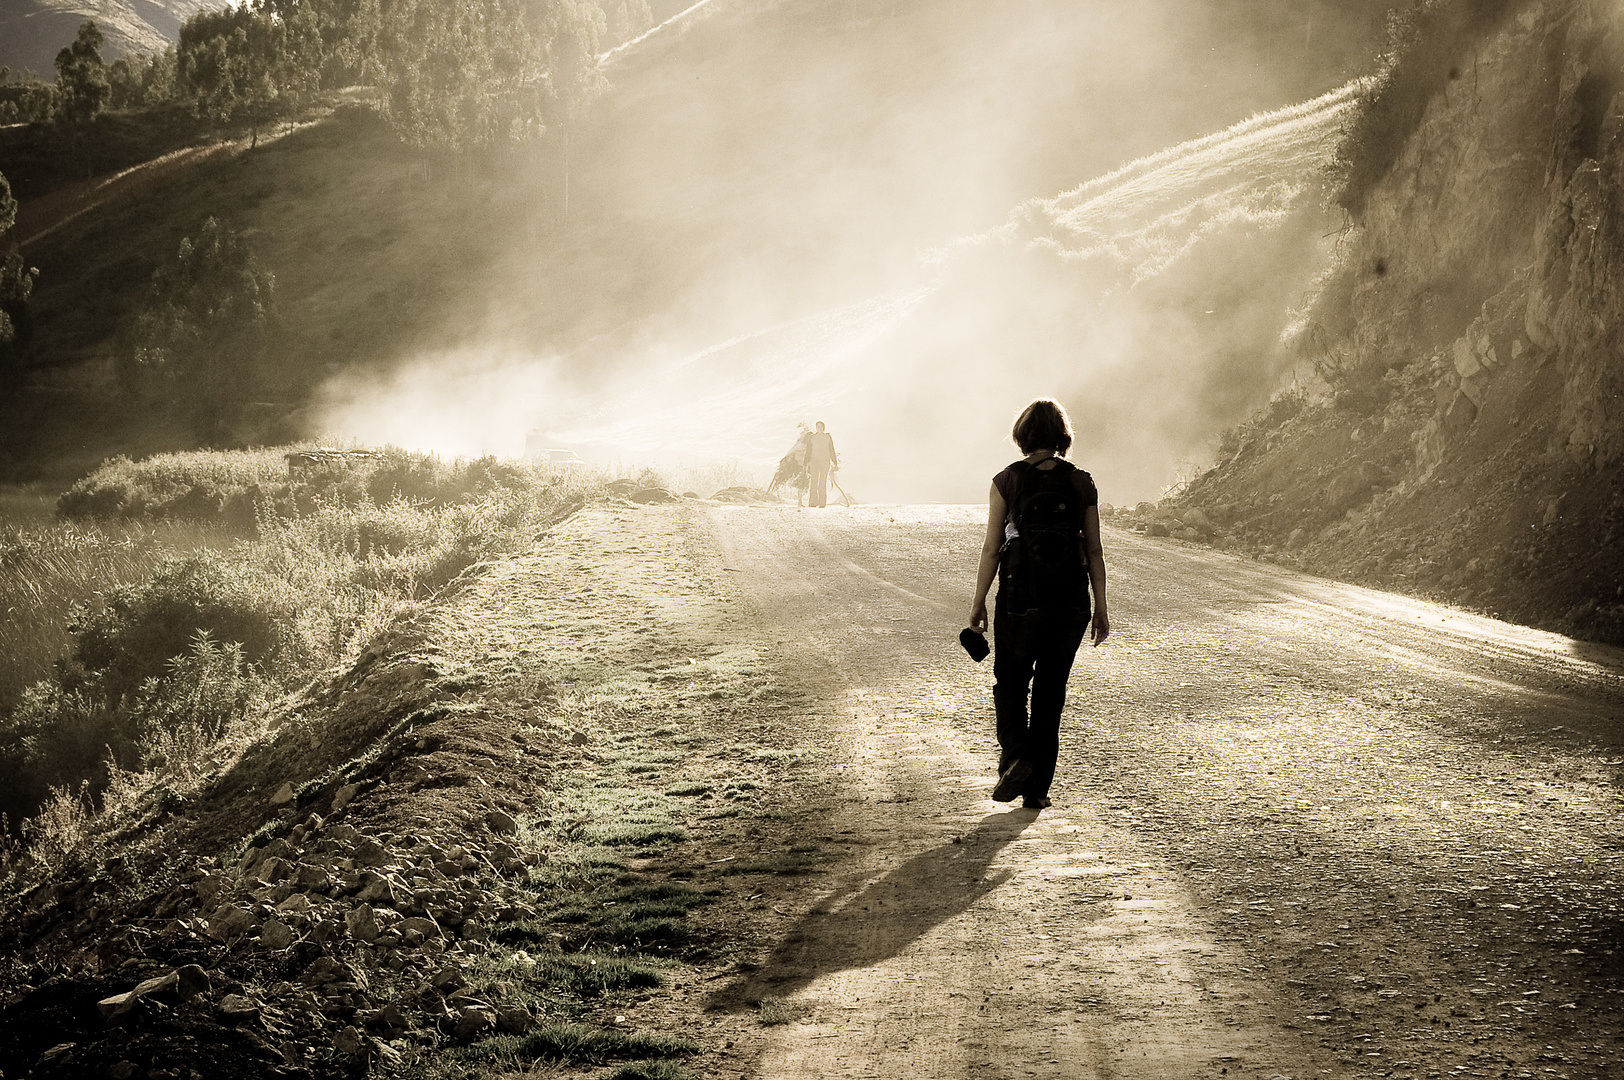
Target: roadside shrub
point(404, 475)
point(57, 737)
point(145, 626)
point(46, 573)
point(196, 485)
point(206, 693)
point(60, 739)
point(179, 638)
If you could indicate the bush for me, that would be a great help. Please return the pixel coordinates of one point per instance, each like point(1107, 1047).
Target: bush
point(47, 573)
point(192, 485)
point(145, 626)
point(57, 737)
point(60, 738)
point(236, 485)
point(206, 692)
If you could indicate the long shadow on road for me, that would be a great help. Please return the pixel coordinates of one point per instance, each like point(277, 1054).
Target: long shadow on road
point(859, 925)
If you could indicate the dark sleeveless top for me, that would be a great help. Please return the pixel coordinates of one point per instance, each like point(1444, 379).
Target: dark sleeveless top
point(1006, 482)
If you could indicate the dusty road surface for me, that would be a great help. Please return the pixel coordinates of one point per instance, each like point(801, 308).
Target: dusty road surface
point(1299, 829)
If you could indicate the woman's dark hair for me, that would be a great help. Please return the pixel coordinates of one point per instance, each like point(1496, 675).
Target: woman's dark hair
point(1042, 425)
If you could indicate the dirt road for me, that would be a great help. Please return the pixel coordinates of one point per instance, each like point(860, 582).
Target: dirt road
point(1299, 829)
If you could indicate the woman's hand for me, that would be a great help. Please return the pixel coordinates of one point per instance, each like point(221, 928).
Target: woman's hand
point(1101, 629)
point(978, 616)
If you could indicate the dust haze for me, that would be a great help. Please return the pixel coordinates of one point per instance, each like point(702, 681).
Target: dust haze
point(907, 220)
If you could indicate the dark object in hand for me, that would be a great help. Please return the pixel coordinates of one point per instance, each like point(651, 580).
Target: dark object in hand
point(975, 644)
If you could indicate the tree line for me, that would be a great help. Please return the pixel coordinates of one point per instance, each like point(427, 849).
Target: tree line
point(451, 75)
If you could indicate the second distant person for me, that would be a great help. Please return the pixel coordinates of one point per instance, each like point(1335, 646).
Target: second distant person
point(820, 462)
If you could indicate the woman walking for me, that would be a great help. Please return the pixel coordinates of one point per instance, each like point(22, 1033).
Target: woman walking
point(1043, 542)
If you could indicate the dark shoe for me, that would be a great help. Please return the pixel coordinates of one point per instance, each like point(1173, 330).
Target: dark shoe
point(1009, 784)
point(1036, 802)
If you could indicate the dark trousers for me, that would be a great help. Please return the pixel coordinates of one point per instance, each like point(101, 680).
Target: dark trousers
point(1033, 653)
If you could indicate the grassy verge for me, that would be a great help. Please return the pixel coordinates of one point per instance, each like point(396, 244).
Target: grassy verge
point(180, 593)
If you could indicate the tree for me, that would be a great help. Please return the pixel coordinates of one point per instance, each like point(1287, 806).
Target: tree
point(576, 77)
point(8, 206)
point(24, 99)
point(247, 63)
point(196, 344)
point(142, 81)
point(16, 285)
point(459, 76)
point(81, 77)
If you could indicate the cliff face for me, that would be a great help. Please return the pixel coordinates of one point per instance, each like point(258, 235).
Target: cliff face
point(1466, 437)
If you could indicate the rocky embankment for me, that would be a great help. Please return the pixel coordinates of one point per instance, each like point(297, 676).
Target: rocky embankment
point(1463, 434)
point(344, 932)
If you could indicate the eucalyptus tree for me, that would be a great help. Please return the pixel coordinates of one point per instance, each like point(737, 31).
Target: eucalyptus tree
point(81, 77)
point(465, 75)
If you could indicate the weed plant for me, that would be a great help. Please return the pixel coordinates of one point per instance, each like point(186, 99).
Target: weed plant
point(576, 1043)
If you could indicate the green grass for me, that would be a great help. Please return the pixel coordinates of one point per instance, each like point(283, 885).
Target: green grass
point(650, 917)
point(589, 974)
point(791, 864)
point(576, 1043)
point(651, 1070)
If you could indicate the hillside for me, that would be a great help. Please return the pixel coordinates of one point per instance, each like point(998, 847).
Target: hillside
point(1468, 439)
point(32, 31)
point(757, 165)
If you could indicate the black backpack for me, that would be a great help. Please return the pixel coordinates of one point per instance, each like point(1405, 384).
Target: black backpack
point(1045, 565)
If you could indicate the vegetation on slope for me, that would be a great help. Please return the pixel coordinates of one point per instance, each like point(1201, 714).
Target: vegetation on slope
point(1429, 47)
point(179, 646)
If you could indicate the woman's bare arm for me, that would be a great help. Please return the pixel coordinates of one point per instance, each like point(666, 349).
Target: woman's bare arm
point(1101, 628)
point(988, 569)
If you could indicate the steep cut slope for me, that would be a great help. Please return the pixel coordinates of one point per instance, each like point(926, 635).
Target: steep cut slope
point(1471, 442)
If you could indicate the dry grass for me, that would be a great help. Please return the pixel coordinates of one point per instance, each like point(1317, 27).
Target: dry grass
point(49, 574)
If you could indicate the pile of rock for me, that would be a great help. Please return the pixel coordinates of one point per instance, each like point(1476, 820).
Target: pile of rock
point(744, 496)
point(1182, 523)
point(376, 934)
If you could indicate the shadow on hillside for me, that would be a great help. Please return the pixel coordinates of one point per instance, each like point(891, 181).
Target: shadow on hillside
point(860, 925)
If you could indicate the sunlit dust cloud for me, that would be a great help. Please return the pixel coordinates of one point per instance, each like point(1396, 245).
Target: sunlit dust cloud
point(462, 403)
point(738, 401)
point(1151, 300)
point(741, 399)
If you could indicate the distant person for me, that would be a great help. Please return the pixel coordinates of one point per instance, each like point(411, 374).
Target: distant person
point(1043, 541)
point(820, 462)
